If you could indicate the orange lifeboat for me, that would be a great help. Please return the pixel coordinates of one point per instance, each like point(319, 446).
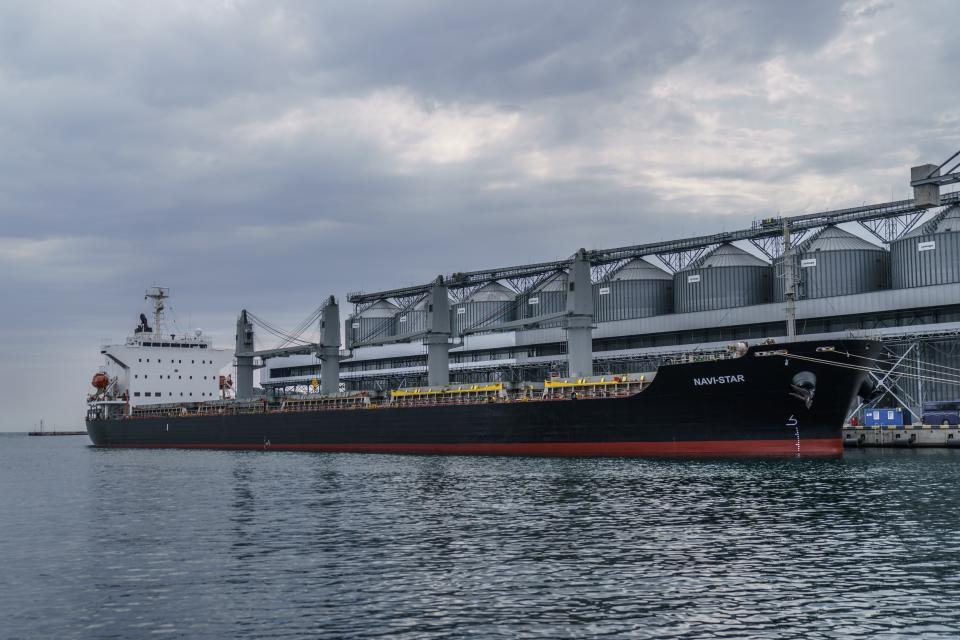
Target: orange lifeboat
point(100, 380)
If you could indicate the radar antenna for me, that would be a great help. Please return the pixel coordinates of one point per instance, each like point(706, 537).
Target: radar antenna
point(158, 295)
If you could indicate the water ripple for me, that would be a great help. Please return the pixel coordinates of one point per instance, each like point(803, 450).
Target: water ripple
point(193, 544)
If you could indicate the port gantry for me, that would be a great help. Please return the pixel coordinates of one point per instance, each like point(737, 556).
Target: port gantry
point(772, 236)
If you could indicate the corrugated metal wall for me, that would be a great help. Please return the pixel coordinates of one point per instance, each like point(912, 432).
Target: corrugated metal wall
point(625, 299)
point(945, 356)
point(540, 303)
point(824, 274)
point(376, 321)
point(547, 298)
point(363, 329)
point(923, 260)
point(937, 359)
point(474, 315)
point(411, 321)
point(710, 288)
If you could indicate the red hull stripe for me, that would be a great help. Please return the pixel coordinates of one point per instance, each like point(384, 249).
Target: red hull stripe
point(814, 447)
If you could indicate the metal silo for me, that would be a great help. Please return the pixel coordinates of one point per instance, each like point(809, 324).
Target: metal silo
point(491, 304)
point(413, 320)
point(636, 290)
point(726, 277)
point(930, 255)
point(548, 297)
point(376, 321)
point(834, 262)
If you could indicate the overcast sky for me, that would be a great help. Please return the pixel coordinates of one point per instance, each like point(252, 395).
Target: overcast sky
point(265, 155)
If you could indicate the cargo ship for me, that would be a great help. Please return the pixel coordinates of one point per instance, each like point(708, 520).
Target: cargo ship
point(769, 399)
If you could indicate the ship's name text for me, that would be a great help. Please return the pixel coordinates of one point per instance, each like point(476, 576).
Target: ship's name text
point(699, 382)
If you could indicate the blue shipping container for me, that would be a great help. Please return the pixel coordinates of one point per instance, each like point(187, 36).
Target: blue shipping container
point(883, 417)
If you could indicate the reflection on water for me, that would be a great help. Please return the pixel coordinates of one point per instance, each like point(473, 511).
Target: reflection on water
point(249, 545)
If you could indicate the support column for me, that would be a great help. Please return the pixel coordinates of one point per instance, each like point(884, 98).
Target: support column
point(329, 351)
point(790, 283)
point(348, 332)
point(244, 345)
point(919, 371)
point(579, 321)
point(437, 337)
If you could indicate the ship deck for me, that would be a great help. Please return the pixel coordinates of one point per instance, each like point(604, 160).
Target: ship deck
point(563, 390)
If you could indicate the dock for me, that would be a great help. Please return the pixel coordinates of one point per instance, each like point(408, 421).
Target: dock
point(56, 433)
point(918, 435)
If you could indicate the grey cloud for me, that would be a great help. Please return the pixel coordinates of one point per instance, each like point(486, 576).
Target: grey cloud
point(759, 30)
point(265, 155)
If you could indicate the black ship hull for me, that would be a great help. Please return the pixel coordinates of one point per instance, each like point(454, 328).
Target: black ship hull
point(771, 401)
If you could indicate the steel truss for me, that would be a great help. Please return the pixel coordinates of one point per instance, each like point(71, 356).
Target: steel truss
point(935, 177)
point(772, 246)
point(677, 254)
point(909, 353)
point(678, 260)
point(887, 230)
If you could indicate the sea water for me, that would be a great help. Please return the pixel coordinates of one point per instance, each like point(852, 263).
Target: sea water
point(101, 543)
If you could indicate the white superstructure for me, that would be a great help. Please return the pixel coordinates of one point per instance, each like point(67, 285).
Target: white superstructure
point(155, 365)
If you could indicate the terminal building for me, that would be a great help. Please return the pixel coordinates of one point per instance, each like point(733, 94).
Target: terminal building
point(648, 304)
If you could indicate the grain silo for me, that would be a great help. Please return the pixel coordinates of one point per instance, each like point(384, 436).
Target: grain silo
point(491, 304)
point(550, 296)
point(413, 320)
point(930, 255)
point(376, 321)
point(834, 262)
point(636, 290)
point(725, 277)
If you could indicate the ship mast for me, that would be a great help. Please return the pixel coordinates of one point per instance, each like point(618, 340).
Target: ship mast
point(790, 283)
point(158, 295)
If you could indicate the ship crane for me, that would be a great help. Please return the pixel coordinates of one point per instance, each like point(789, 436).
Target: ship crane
point(436, 335)
point(327, 349)
point(577, 319)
